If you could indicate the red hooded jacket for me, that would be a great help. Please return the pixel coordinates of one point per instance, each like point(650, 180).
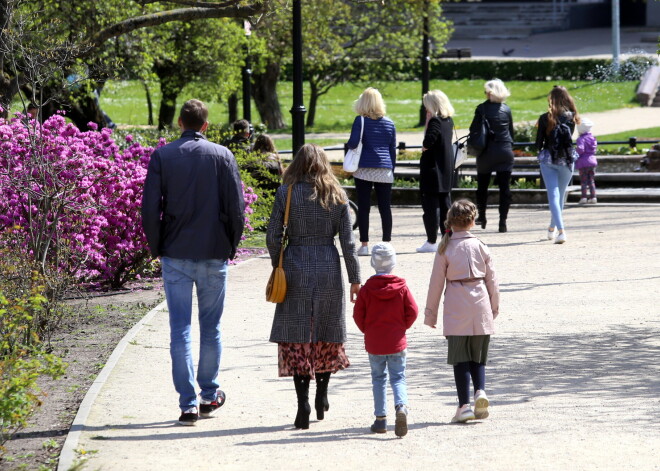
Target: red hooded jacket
point(384, 310)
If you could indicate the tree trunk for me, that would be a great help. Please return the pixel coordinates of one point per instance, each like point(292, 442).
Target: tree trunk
point(167, 110)
point(313, 100)
point(150, 105)
point(232, 107)
point(264, 92)
point(171, 84)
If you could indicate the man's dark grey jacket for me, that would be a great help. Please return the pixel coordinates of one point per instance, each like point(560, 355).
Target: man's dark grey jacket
point(193, 205)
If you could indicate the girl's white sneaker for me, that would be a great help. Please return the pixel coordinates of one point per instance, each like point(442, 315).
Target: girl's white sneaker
point(582, 201)
point(463, 414)
point(481, 404)
point(561, 238)
point(551, 234)
point(363, 251)
point(592, 201)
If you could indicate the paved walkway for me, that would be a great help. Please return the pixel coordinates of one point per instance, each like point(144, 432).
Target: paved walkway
point(573, 376)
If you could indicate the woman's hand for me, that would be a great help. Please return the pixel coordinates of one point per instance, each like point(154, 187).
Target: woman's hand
point(355, 287)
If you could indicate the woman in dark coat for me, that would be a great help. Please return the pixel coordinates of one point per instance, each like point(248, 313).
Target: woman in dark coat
point(436, 166)
point(310, 326)
point(498, 155)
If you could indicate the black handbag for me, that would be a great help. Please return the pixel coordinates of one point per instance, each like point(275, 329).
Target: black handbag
point(478, 138)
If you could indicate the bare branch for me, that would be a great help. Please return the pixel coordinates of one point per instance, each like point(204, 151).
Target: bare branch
point(181, 14)
point(195, 3)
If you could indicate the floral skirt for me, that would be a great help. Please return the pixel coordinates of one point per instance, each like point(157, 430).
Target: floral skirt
point(306, 359)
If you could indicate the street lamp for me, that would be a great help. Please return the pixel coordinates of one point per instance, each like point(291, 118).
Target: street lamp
point(247, 74)
point(616, 40)
point(298, 110)
point(425, 61)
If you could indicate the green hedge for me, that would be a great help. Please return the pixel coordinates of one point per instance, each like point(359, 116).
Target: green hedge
point(458, 69)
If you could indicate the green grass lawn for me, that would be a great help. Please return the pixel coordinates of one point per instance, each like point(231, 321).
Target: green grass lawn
point(125, 101)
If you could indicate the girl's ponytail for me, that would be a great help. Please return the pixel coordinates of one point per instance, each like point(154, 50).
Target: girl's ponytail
point(444, 242)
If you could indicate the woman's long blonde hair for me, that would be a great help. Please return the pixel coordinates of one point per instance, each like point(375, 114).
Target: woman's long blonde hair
point(461, 215)
point(559, 102)
point(370, 104)
point(311, 165)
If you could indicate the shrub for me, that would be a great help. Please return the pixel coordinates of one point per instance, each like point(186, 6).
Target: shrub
point(22, 361)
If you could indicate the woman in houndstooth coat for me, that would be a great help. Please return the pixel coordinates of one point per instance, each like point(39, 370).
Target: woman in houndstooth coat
point(310, 325)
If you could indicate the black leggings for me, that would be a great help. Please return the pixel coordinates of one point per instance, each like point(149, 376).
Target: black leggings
point(462, 373)
point(384, 198)
point(435, 207)
point(503, 180)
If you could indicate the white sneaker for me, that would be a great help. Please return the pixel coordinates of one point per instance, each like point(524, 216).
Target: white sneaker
point(481, 404)
point(363, 251)
point(463, 414)
point(582, 201)
point(552, 234)
point(561, 238)
point(592, 201)
point(428, 247)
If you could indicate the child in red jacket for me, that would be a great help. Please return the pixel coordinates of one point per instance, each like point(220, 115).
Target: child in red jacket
point(384, 310)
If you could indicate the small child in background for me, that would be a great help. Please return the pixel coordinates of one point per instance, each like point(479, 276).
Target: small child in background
point(586, 163)
point(384, 310)
point(463, 270)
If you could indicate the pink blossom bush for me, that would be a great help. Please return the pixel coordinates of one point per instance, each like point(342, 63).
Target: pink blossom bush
point(76, 198)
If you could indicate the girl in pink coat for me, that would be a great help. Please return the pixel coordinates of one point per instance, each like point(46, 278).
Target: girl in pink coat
point(463, 269)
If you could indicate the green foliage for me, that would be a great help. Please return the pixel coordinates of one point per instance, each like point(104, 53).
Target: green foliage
point(22, 361)
point(524, 132)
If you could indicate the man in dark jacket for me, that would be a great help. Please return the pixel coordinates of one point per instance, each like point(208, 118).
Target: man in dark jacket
point(193, 217)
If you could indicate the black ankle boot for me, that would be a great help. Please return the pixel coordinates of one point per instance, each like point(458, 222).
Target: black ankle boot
point(304, 409)
point(502, 226)
point(321, 401)
point(481, 219)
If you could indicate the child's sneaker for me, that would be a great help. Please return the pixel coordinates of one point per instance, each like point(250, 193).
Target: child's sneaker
point(592, 201)
point(582, 201)
point(363, 251)
point(481, 404)
point(401, 423)
point(188, 416)
point(379, 425)
point(208, 408)
point(463, 414)
point(551, 234)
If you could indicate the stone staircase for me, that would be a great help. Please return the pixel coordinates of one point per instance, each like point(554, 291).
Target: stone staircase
point(504, 20)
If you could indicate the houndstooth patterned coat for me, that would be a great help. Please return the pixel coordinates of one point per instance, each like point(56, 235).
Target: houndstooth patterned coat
point(315, 303)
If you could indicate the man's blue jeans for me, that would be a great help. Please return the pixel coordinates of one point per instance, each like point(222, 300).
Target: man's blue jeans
point(395, 364)
point(210, 278)
point(556, 178)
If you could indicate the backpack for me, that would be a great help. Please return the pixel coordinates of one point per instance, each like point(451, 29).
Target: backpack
point(562, 141)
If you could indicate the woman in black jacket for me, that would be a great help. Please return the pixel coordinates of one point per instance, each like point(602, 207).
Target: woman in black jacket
point(498, 155)
point(436, 166)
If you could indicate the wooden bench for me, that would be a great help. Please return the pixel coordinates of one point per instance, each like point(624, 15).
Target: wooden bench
point(454, 53)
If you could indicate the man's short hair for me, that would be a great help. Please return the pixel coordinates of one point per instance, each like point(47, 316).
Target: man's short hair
point(194, 114)
point(241, 126)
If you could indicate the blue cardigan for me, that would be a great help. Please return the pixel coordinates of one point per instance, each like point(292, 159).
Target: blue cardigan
point(378, 142)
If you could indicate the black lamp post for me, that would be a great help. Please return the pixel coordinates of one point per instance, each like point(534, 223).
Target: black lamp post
point(426, 59)
point(298, 110)
point(247, 76)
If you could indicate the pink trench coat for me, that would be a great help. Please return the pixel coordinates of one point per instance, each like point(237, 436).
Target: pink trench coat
point(472, 295)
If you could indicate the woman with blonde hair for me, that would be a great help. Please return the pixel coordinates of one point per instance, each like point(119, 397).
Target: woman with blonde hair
point(377, 161)
point(498, 155)
point(557, 154)
point(436, 166)
point(309, 325)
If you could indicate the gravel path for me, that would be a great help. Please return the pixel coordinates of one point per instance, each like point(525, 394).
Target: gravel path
point(573, 377)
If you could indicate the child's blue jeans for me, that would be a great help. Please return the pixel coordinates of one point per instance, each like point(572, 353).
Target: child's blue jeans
point(395, 364)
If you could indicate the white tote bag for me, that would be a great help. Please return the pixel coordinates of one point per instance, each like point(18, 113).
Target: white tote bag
point(352, 157)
